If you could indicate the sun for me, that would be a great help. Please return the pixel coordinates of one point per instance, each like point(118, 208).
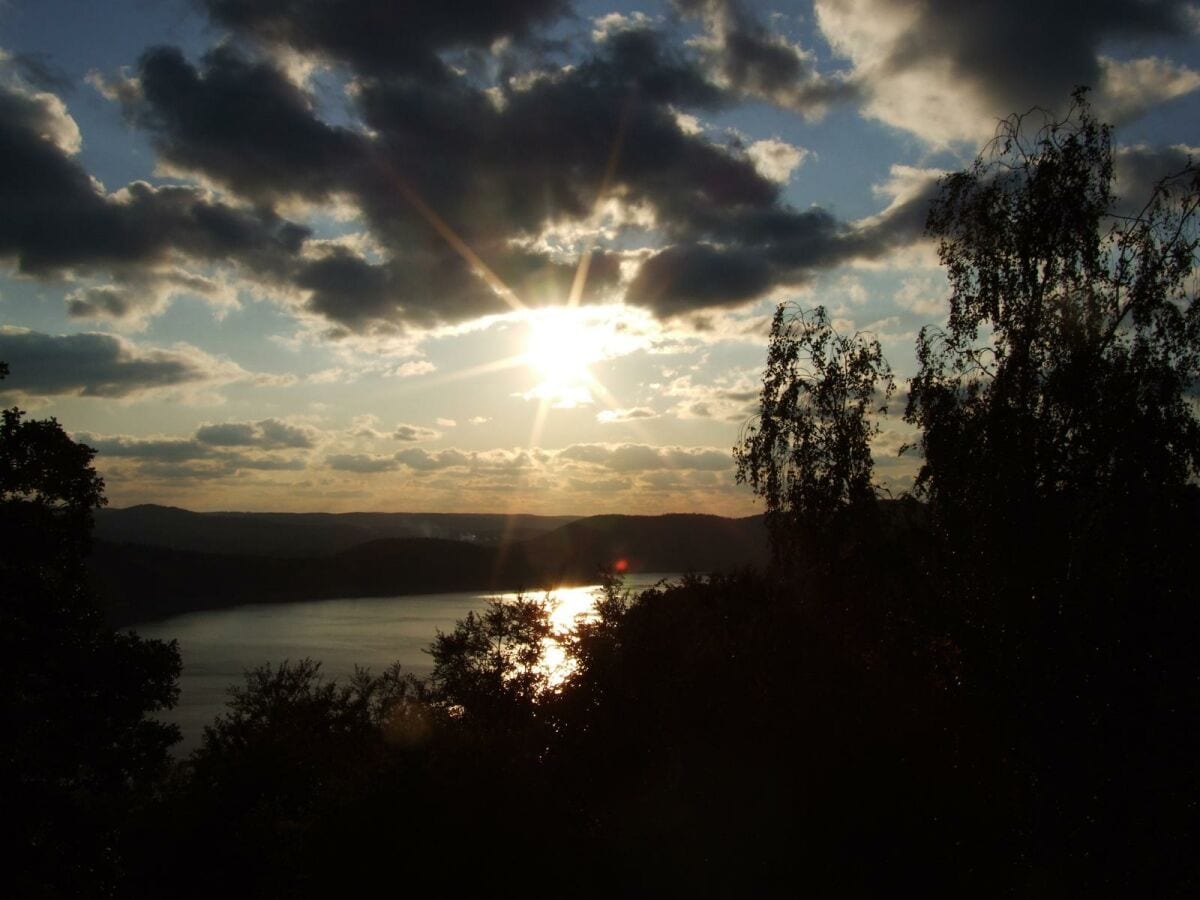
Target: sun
point(560, 348)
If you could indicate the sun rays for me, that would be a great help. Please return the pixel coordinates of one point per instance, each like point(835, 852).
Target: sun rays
point(563, 340)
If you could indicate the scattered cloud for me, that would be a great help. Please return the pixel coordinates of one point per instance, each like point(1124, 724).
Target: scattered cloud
point(608, 416)
point(104, 365)
point(414, 433)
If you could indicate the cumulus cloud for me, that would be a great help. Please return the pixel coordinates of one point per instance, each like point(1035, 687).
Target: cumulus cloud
point(184, 458)
point(607, 416)
point(165, 450)
point(362, 463)
point(383, 38)
point(643, 457)
point(753, 60)
point(472, 154)
point(946, 70)
point(425, 460)
point(58, 220)
point(439, 154)
point(103, 365)
point(776, 159)
point(414, 433)
point(267, 434)
point(132, 296)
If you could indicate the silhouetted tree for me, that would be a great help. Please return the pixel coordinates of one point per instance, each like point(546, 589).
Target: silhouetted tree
point(808, 453)
point(1067, 368)
point(1060, 440)
point(490, 668)
point(78, 750)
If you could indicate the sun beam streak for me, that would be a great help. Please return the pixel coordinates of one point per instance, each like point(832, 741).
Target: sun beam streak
point(610, 169)
point(460, 246)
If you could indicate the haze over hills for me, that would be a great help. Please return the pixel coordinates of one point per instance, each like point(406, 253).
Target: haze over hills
point(151, 562)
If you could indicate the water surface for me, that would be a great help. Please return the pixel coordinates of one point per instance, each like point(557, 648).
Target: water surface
point(218, 646)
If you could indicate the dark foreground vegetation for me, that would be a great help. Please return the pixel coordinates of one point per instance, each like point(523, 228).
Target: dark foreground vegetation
point(990, 688)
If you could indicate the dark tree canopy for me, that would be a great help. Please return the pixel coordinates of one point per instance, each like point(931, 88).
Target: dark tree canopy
point(1049, 571)
point(1057, 405)
point(809, 452)
point(76, 746)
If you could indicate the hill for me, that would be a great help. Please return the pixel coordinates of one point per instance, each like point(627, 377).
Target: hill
point(301, 535)
point(144, 581)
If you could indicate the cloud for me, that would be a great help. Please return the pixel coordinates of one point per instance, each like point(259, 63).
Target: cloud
point(643, 457)
point(946, 70)
point(362, 463)
point(383, 38)
point(414, 433)
point(103, 365)
point(607, 416)
point(1139, 168)
point(1131, 87)
point(426, 461)
point(184, 458)
point(57, 220)
point(242, 122)
point(133, 296)
point(750, 59)
point(267, 434)
point(441, 154)
point(776, 159)
point(433, 163)
point(165, 450)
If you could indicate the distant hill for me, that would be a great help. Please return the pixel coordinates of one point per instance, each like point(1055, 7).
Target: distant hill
point(301, 535)
point(142, 582)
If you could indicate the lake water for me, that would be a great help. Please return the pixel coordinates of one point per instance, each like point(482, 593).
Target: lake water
point(218, 646)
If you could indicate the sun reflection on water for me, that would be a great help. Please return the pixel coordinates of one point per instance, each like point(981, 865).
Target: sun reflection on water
point(568, 607)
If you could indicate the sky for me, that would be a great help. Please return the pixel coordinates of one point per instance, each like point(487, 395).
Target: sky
point(333, 255)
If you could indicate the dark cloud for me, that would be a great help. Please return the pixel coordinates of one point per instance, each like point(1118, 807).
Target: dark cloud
point(755, 61)
point(496, 168)
point(1022, 52)
point(761, 249)
point(267, 434)
point(163, 450)
point(1139, 169)
point(240, 122)
point(100, 365)
point(683, 278)
point(947, 70)
point(384, 37)
point(56, 218)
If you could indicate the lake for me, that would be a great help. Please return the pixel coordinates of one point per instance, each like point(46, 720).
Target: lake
point(218, 646)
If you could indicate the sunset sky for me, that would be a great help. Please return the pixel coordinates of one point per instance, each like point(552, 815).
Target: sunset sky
point(462, 256)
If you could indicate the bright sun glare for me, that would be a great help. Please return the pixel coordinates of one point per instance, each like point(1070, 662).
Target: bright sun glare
point(560, 348)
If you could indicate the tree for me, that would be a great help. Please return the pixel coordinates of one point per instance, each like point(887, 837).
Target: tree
point(1061, 446)
point(77, 747)
point(809, 452)
point(1055, 408)
point(490, 669)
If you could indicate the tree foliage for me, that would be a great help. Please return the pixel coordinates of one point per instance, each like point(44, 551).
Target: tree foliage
point(78, 749)
point(809, 452)
point(490, 667)
point(1068, 366)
